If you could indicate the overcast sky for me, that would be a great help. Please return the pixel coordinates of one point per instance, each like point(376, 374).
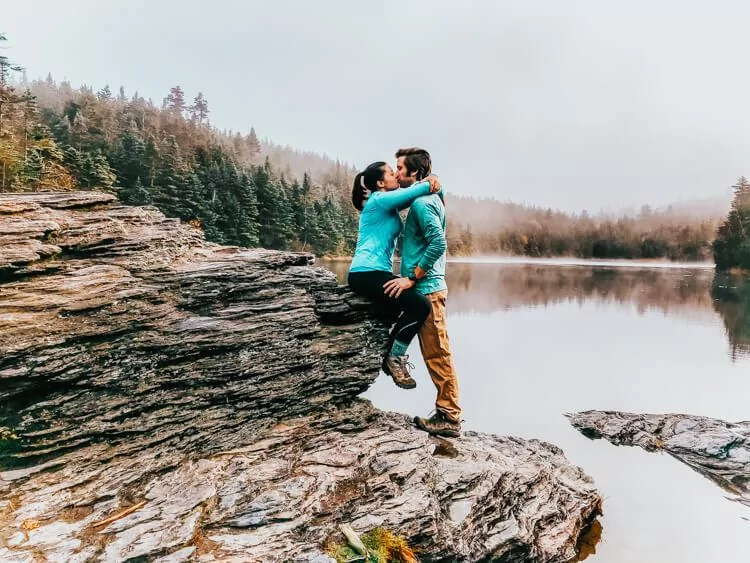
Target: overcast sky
point(575, 104)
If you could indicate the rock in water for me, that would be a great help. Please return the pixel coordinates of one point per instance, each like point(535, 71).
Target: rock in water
point(718, 450)
point(167, 399)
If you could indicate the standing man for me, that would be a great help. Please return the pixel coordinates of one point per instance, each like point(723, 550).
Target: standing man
point(423, 256)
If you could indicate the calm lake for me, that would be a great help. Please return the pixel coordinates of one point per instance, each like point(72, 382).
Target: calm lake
point(535, 339)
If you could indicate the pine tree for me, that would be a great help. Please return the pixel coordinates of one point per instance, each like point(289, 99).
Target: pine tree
point(127, 155)
point(44, 167)
point(338, 244)
point(137, 194)
point(170, 180)
point(175, 100)
point(303, 215)
point(253, 144)
point(732, 245)
point(8, 97)
point(30, 117)
point(284, 217)
point(105, 94)
point(248, 229)
point(199, 109)
point(92, 170)
point(275, 216)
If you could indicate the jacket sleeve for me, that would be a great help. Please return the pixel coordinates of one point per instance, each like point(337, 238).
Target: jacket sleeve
point(403, 198)
point(429, 220)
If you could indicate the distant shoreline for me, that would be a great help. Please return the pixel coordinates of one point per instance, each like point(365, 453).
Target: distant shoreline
point(604, 262)
point(561, 261)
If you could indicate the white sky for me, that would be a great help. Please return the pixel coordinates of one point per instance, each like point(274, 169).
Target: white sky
point(576, 104)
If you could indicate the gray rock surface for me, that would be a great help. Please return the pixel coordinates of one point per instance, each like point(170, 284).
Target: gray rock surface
point(718, 450)
point(213, 390)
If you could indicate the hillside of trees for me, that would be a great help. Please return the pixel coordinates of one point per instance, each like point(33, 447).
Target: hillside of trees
point(53, 136)
point(486, 226)
point(247, 191)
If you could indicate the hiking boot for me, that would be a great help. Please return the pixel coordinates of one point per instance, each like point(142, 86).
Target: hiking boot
point(398, 368)
point(439, 425)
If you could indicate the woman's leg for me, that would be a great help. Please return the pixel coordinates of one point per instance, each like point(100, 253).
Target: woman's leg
point(416, 308)
point(413, 308)
point(370, 285)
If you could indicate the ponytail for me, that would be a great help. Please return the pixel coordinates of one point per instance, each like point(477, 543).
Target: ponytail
point(358, 196)
point(365, 183)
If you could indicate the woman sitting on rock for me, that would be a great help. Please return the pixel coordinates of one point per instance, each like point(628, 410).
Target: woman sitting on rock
point(377, 196)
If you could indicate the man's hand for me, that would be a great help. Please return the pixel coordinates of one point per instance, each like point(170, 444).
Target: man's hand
point(434, 183)
point(394, 287)
point(419, 273)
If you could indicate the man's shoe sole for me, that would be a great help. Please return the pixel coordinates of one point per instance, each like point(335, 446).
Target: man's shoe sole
point(385, 369)
point(447, 433)
point(404, 385)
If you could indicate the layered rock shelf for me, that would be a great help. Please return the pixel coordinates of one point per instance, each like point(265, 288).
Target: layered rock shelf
point(163, 398)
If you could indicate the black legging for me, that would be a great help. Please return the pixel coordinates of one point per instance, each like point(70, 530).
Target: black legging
point(414, 306)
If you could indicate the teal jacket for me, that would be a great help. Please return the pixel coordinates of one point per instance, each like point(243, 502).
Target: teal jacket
point(380, 225)
point(423, 243)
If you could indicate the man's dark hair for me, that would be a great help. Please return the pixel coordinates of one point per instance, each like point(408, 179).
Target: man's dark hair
point(416, 160)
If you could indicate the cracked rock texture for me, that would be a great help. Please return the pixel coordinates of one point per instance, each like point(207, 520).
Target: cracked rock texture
point(214, 390)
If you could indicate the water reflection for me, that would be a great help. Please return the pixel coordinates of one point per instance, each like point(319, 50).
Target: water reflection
point(487, 287)
point(680, 292)
point(731, 299)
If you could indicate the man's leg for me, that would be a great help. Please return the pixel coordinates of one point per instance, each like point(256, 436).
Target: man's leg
point(436, 351)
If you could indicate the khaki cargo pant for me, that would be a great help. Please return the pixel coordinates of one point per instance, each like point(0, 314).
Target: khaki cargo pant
point(436, 351)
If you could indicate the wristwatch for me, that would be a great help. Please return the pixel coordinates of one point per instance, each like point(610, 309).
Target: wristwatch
point(413, 278)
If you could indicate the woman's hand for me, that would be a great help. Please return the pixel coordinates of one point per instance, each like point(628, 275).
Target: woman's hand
point(434, 183)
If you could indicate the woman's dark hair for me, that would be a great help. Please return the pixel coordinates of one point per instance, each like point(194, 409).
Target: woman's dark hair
point(366, 180)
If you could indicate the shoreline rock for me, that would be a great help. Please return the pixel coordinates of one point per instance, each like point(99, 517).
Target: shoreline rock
point(718, 450)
